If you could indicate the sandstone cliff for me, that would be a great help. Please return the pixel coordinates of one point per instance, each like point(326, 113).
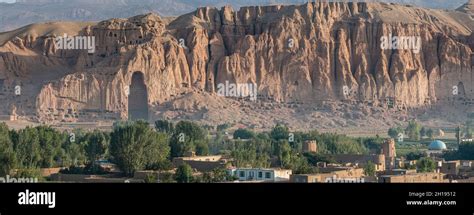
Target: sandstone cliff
point(312, 54)
point(468, 7)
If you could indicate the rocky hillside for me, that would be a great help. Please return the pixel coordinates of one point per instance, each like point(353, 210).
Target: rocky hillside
point(316, 64)
point(468, 7)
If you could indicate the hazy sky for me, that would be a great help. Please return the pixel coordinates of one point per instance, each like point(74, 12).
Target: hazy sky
point(7, 1)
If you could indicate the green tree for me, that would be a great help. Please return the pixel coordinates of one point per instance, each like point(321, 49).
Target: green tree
point(394, 132)
point(283, 152)
point(29, 173)
point(164, 126)
point(184, 174)
point(465, 152)
point(185, 136)
point(50, 141)
point(216, 175)
point(220, 175)
point(373, 144)
point(135, 145)
point(423, 132)
point(73, 149)
point(166, 177)
point(7, 161)
point(414, 156)
point(7, 155)
point(157, 149)
point(280, 132)
point(413, 130)
point(243, 134)
point(340, 144)
point(96, 146)
point(164, 165)
point(247, 154)
point(192, 130)
point(369, 169)
point(202, 147)
point(426, 165)
point(430, 133)
point(223, 127)
point(151, 178)
point(74, 154)
point(299, 164)
point(27, 148)
point(315, 158)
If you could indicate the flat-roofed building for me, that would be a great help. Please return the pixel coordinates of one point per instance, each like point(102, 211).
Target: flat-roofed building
point(332, 175)
point(431, 177)
point(361, 160)
point(201, 163)
point(450, 167)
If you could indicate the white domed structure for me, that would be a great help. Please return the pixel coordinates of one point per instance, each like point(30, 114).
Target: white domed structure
point(437, 145)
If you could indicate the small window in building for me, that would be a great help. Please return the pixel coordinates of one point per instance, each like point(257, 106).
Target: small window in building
point(268, 175)
point(260, 174)
point(242, 174)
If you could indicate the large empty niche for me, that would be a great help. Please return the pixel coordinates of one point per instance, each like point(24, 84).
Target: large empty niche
point(138, 98)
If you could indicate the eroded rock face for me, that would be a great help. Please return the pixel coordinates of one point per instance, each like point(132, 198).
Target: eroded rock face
point(311, 54)
point(468, 7)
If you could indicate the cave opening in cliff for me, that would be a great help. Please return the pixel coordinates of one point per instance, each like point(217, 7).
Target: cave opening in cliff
point(138, 98)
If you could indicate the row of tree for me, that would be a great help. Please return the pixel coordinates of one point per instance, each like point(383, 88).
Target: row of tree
point(284, 148)
point(414, 131)
point(136, 146)
point(131, 145)
point(465, 152)
point(45, 147)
